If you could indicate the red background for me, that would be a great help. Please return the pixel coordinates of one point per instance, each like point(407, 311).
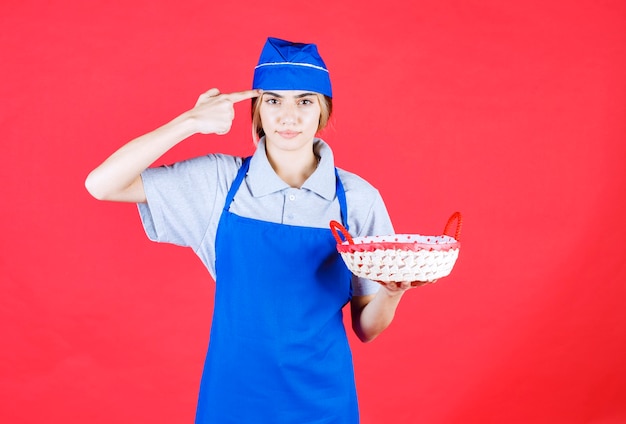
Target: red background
point(513, 113)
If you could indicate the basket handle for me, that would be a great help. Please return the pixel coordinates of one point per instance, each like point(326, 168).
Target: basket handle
point(459, 221)
point(338, 228)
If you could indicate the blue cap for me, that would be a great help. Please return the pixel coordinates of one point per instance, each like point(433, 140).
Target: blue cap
point(284, 65)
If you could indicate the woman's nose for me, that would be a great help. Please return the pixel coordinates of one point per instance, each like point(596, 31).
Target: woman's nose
point(288, 114)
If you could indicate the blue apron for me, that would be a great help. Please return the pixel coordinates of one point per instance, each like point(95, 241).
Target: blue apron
point(278, 351)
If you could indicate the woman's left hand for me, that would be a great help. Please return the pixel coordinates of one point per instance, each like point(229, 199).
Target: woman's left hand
point(402, 286)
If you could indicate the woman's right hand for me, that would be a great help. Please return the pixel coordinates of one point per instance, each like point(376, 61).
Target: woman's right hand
point(214, 111)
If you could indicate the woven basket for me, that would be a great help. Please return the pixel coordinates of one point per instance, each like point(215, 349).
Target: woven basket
point(400, 257)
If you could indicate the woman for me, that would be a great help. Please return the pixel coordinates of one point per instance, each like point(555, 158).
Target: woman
point(278, 351)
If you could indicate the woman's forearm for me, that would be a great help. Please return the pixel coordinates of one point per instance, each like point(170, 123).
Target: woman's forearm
point(115, 178)
point(372, 316)
point(119, 177)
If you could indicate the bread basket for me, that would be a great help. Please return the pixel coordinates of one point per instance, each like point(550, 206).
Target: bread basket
point(400, 257)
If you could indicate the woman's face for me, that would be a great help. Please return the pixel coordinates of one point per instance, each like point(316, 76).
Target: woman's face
point(290, 118)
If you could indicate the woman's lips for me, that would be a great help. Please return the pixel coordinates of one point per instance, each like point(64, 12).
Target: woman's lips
point(288, 134)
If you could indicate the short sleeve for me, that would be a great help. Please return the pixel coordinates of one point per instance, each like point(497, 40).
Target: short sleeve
point(180, 201)
point(377, 222)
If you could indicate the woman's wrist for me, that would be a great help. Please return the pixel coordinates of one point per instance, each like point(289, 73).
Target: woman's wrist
point(187, 124)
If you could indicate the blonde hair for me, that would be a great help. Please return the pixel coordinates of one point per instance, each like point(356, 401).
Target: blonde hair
point(326, 109)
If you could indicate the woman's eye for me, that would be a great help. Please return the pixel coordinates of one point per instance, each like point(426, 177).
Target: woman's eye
point(272, 101)
point(306, 102)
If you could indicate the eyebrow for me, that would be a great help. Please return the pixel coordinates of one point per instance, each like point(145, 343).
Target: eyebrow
point(271, 93)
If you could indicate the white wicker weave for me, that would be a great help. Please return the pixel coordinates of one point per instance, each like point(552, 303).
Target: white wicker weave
point(399, 257)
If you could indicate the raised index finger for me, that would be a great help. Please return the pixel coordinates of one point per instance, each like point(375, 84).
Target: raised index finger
point(243, 95)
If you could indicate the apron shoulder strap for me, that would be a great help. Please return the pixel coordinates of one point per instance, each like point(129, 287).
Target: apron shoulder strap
point(341, 197)
point(241, 174)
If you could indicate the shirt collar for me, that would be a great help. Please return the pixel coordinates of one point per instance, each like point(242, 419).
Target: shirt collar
point(262, 180)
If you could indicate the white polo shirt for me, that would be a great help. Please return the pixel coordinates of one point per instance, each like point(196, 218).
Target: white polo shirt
point(185, 201)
